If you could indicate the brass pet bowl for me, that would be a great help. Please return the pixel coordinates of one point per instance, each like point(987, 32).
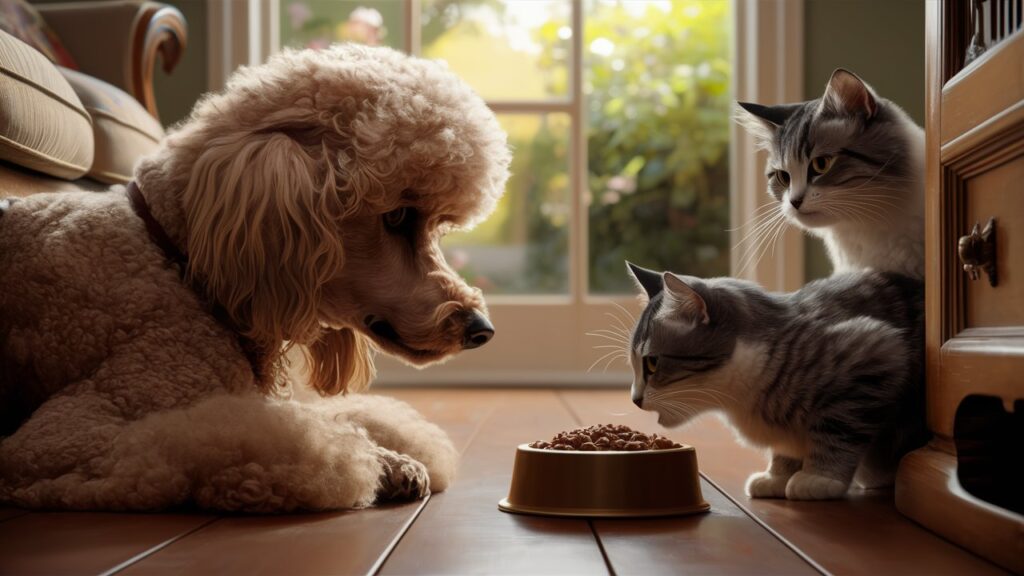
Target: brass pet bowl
point(605, 484)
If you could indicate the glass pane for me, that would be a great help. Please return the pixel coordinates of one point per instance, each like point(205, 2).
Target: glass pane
point(505, 49)
point(523, 248)
point(318, 23)
point(658, 79)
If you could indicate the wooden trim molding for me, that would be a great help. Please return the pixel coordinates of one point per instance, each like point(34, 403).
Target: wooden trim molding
point(768, 66)
point(975, 118)
point(928, 490)
point(158, 29)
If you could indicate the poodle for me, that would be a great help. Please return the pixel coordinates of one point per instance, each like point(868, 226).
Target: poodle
point(154, 339)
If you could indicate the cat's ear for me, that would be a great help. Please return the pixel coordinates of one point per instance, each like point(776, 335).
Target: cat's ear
point(762, 121)
point(684, 299)
point(647, 280)
point(848, 95)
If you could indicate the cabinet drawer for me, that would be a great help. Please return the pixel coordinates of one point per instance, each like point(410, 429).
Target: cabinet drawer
point(997, 193)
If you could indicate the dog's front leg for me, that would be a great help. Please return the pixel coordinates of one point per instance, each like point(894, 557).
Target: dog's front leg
point(395, 425)
point(229, 452)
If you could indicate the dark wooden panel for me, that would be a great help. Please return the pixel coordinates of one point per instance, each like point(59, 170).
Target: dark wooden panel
point(998, 193)
point(865, 534)
point(350, 542)
point(462, 531)
point(992, 531)
point(82, 543)
point(983, 90)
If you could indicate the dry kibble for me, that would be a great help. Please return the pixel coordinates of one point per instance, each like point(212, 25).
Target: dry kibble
point(605, 437)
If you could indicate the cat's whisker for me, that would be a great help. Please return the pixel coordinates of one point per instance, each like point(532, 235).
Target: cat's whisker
point(872, 212)
point(608, 335)
point(764, 244)
point(755, 253)
point(673, 408)
point(775, 238)
point(711, 394)
point(760, 212)
point(623, 356)
point(617, 347)
point(760, 227)
point(599, 360)
point(629, 314)
point(619, 324)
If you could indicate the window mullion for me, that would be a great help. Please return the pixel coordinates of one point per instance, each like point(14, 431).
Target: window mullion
point(578, 170)
point(527, 107)
point(413, 37)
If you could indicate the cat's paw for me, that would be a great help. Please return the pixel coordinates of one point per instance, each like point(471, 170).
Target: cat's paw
point(808, 486)
point(766, 485)
point(403, 478)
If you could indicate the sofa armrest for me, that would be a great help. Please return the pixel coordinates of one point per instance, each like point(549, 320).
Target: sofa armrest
point(118, 41)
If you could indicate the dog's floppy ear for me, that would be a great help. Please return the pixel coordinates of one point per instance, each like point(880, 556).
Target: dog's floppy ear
point(263, 236)
point(339, 361)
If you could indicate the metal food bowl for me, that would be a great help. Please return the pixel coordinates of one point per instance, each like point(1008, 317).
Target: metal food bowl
point(609, 484)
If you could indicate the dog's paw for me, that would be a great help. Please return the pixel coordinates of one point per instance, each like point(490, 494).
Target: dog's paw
point(402, 477)
point(766, 485)
point(808, 486)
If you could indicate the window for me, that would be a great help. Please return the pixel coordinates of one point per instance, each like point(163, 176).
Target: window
point(619, 112)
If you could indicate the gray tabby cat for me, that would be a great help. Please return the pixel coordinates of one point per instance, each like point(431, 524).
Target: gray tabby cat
point(829, 378)
point(849, 168)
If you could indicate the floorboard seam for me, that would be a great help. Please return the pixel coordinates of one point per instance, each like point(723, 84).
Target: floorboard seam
point(565, 404)
point(386, 553)
point(803, 555)
point(600, 546)
point(153, 550)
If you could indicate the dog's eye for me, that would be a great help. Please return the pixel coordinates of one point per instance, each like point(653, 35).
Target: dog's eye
point(401, 220)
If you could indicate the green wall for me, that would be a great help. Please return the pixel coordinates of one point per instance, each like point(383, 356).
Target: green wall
point(882, 41)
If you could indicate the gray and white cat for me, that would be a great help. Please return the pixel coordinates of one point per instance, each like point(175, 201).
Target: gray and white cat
point(847, 167)
point(829, 378)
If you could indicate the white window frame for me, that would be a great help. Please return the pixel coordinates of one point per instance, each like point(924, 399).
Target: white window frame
point(541, 340)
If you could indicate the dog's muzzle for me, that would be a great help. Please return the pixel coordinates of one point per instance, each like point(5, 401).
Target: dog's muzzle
point(479, 330)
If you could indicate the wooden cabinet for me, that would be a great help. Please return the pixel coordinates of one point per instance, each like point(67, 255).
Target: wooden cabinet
point(967, 484)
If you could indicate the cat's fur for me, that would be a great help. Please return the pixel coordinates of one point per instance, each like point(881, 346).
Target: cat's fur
point(830, 377)
point(868, 206)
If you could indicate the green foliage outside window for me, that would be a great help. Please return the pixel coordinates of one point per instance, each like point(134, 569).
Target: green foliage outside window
point(658, 115)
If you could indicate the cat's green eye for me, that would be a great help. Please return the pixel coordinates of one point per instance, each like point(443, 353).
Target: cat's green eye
point(823, 164)
point(651, 364)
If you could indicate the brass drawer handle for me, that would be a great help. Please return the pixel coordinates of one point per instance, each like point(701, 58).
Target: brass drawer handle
point(978, 252)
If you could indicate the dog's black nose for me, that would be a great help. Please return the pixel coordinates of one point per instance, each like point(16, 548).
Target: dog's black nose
point(478, 332)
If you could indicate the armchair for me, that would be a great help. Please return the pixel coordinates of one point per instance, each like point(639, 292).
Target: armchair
point(117, 42)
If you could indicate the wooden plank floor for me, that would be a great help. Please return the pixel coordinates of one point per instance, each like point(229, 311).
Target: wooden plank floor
point(462, 532)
